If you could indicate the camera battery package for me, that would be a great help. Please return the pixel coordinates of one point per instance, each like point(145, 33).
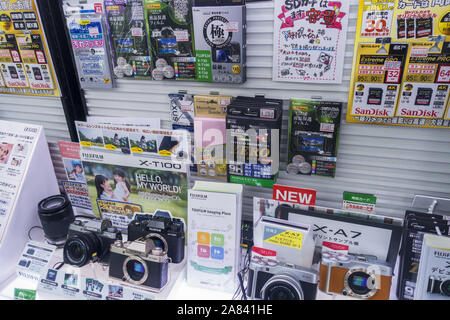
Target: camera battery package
point(426, 81)
point(379, 70)
point(433, 276)
point(26, 177)
point(214, 227)
point(313, 137)
point(171, 39)
point(220, 40)
point(210, 147)
point(128, 36)
point(252, 153)
point(211, 106)
point(87, 26)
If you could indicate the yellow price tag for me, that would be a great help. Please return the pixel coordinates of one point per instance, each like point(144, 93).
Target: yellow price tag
point(86, 143)
point(287, 238)
point(110, 147)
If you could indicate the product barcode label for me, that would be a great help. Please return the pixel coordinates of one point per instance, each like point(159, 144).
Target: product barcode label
point(327, 127)
point(267, 113)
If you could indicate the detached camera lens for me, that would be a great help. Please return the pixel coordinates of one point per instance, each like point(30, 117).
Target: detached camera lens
point(79, 250)
point(56, 214)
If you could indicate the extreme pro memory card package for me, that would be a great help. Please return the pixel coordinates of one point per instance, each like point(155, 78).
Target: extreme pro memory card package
point(129, 42)
point(426, 81)
point(169, 27)
point(220, 42)
point(252, 153)
point(313, 137)
point(416, 225)
point(379, 70)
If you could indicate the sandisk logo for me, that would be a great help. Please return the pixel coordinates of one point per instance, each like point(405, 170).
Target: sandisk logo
point(372, 112)
point(419, 113)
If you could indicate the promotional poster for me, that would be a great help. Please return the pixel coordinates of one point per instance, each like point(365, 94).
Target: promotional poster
point(401, 64)
point(309, 40)
point(26, 64)
point(122, 183)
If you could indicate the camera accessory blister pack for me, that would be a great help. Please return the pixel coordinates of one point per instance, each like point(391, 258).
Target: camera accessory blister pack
point(313, 137)
point(252, 154)
point(220, 40)
point(87, 27)
point(129, 42)
point(433, 276)
point(416, 225)
point(171, 39)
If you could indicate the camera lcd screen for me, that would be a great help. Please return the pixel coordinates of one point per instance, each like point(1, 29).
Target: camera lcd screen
point(222, 55)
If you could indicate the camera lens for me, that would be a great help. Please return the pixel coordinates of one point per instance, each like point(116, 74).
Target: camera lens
point(282, 287)
point(445, 288)
point(361, 283)
point(56, 214)
point(79, 250)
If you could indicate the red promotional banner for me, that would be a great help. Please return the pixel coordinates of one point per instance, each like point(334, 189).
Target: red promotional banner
point(294, 195)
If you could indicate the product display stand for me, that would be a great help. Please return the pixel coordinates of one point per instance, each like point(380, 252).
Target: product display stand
point(26, 177)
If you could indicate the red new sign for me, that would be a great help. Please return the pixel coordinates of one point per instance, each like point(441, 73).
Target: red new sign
point(294, 195)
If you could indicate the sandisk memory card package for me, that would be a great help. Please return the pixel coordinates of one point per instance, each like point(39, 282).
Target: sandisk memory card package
point(253, 139)
point(379, 71)
point(426, 81)
point(313, 137)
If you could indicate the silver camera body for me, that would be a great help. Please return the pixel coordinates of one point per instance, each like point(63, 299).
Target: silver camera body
point(141, 262)
point(274, 280)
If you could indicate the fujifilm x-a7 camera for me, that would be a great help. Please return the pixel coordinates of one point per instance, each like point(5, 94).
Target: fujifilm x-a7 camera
point(142, 262)
point(359, 276)
point(273, 280)
point(162, 222)
point(89, 241)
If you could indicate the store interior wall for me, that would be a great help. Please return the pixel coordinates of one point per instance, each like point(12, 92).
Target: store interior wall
point(394, 163)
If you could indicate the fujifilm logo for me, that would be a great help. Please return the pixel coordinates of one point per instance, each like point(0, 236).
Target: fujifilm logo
point(419, 113)
point(372, 112)
point(440, 254)
point(199, 196)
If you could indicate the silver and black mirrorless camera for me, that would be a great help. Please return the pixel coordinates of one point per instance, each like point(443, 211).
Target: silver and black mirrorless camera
point(142, 262)
point(439, 286)
point(273, 280)
point(89, 241)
